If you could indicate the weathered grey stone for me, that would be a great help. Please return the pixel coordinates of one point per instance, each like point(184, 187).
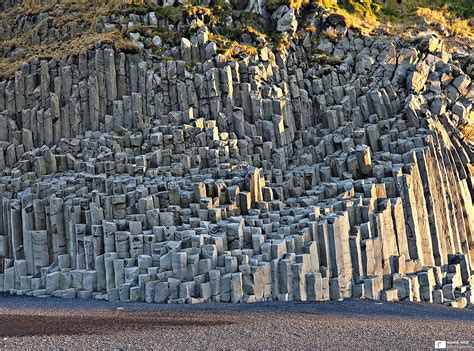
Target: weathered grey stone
point(430, 43)
point(181, 175)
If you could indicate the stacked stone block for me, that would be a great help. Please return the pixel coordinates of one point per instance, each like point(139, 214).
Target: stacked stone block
point(129, 178)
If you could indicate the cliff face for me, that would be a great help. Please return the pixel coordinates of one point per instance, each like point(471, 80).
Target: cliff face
point(194, 168)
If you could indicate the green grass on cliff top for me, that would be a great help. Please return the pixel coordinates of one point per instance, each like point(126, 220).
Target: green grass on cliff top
point(455, 16)
point(381, 9)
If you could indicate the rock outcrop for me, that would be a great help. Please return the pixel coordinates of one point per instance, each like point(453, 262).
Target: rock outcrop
point(197, 178)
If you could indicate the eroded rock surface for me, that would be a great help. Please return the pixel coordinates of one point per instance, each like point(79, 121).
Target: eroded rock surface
point(201, 179)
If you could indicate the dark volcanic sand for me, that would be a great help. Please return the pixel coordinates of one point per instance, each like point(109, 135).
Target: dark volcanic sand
point(49, 323)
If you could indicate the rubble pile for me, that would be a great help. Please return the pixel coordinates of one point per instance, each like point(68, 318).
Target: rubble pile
point(195, 178)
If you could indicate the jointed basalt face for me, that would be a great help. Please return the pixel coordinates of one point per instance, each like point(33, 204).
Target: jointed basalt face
point(197, 178)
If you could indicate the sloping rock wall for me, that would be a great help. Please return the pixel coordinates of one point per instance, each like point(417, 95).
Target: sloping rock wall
point(197, 179)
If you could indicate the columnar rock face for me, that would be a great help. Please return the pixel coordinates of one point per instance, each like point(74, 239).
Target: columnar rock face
point(199, 179)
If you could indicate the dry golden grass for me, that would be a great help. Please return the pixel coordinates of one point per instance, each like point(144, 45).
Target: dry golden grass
point(253, 31)
point(59, 49)
point(296, 4)
point(32, 7)
point(74, 13)
point(230, 48)
point(467, 130)
point(406, 18)
point(442, 16)
point(85, 16)
point(331, 34)
point(283, 43)
point(361, 18)
point(422, 20)
point(64, 48)
point(197, 10)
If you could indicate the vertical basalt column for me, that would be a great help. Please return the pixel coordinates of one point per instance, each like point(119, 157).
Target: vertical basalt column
point(110, 75)
point(81, 231)
point(142, 80)
point(16, 230)
point(171, 71)
point(39, 214)
point(183, 96)
point(399, 225)
point(89, 252)
point(28, 221)
point(463, 203)
point(25, 119)
point(109, 259)
point(33, 124)
point(410, 205)
point(3, 223)
point(40, 127)
point(74, 217)
point(2, 96)
point(94, 102)
point(433, 203)
point(450, 195)
point(386, 233)
point(49, 229)
point(200, 91)
point(66, 83)
point(119, 272)
point(285, 281)
point(324, 247)
point(121, 75)
point(58, 227)
point(2, 160)
point(39, 239)
point(57, 128)
point(20, 91)
point(356, 254)
point(27, 139)
point(3, 127)
point(75, 118)
point(127, 118)
point(10, 97)
point(132, 70)
point(423, 219)
point(97, 239)
point(8, 228)
point(67, 232)
point(20, 271)
point(81, 91)
point(338, 232)
point(100, 269)
point(118, 113)
point(3, 240)
point(137, 111)
point(82, 67)
point(44, 82)
point(97, 214)
point(30, 85)
point(149, 106)
point(110, 228)
point(57, 84)
point(238, 122)
point(100, 73)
